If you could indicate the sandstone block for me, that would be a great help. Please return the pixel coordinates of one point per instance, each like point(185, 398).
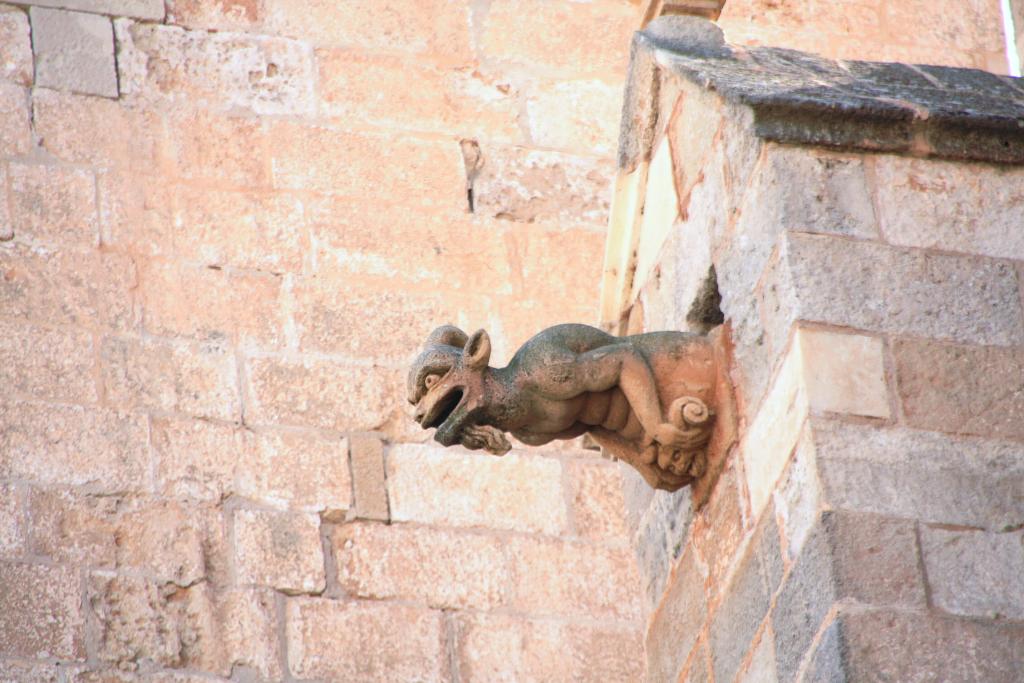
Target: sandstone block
point(744, 606)
point(440, 486)
point(141, 9)
point(660, 538)
point(90, 289)
point(13, 671)
point(761, 667)
point(15, 47)
point(226, 15)
point(844, 373)
point(560, 38)
point(6, 224)
point(345, 641)
point(425, 172)
point(882, 289)
point(15, 123)
point(196, 380)
point(444, 569)
point(297, 470)
point(144, 622)
point(56, 205)
point(921, 475)
point(575, 116)
point(369, 488)
point(74, 51)
point(41, 612)
point(279, 549)
point(422, 95)
point(797, 499)
point(267, 231)
point(495, 647)
point(676, 624)
point(12, 538)
point(555, 577)
point(814, 192)
point(171, 542)
point(46, 363)
point(247, 619)
point(718, 527)
point(306, 392)
point(527, 186)
point(242, 308)
point(196, 458)
point(435, 27)
point(98, 131)
point(216, 149)
point(966, 389)
point(969, 208)
point(103, 450)
point(69, 527)
point(169, 66)
point(774, 431)
point(597, 505)
point(138, 211)
point(906, 646)
point(975, 573)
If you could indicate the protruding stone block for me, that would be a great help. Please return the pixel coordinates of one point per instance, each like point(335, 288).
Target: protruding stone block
point(74, 51)
point(280, 550)
point(366, 457)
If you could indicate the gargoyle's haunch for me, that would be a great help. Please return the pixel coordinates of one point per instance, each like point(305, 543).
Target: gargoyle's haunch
point(645, 398)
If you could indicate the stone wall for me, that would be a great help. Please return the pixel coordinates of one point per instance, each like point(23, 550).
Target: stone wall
point(226, 226)
point(861, 225)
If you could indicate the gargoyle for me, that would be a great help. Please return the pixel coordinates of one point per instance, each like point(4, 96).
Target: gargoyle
point(645, 398)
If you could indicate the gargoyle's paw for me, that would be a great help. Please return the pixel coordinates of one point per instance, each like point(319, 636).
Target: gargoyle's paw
point(492, 440)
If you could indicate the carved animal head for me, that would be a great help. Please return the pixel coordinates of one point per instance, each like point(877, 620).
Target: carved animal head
point(447, 384)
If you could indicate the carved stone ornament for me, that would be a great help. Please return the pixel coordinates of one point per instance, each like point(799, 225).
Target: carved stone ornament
point(647, 399)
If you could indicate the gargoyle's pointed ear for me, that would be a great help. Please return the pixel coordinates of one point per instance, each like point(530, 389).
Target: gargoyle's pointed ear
point(478, 350)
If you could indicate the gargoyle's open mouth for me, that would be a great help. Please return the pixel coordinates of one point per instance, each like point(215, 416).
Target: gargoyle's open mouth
point(443, 409)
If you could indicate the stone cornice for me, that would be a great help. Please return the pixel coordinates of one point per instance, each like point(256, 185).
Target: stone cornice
point(799, 98)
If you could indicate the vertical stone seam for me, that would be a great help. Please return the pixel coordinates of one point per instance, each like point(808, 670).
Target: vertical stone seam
point(450, 637)
point(281, 619)
point(922, 567)
point(331, 586)
point(891, 384)
point(871, 179)
point(568, 494)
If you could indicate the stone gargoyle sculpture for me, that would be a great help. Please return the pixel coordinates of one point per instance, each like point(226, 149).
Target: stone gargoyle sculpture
point(645, 398)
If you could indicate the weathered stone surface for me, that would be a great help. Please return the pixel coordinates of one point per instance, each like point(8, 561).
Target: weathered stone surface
point(247, 620)
point(15, 121)
point(717, 528)
point(970, 208)
point(296, 470)
point(141, 9)
point(883, 289)
point(422, 171)
point(676, 624)
point(661, 538)
point(14, 671)
point(12, 538)
point(15, 46)
point(814, 192)
point(423, 95)
point(965, 389)
point(975, 573)
point(172, 542)
point(196, 458)
point(434, 27)
point(168, 65)
point(67, 527)
point(223, 15)
point(576, 116)
point(844, 373)
point(761, 667)
point(369, 488)
point(921, 475)
point(525, 185)
point(493, 647)
point(556, 577)
point(280, 550)
point(140, 621)
point(36, 362)
point(826, 664)
point(74, 51)
point(66, 287)
point(54, 205)
point(797, 498)
point(738, 616)
point(196, 380)
point(243, 308)
point(453, 570)
point(596, 504)
point(41, 612)
point(103, 450)
point(345, 641)
point(433, 485)
point(902, 646)
point(590, 39)
point(306, 392)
